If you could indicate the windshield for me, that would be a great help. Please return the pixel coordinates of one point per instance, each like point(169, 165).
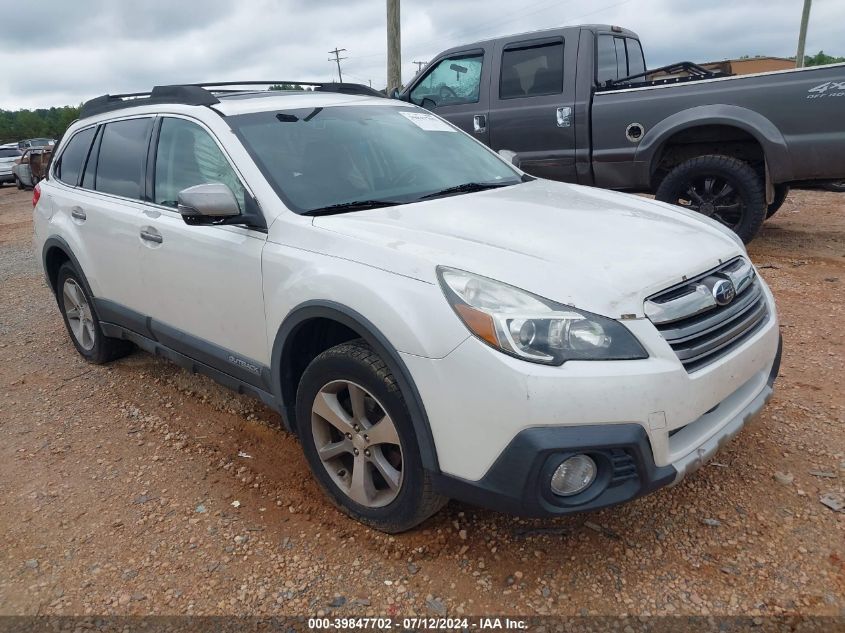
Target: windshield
point(323, 157)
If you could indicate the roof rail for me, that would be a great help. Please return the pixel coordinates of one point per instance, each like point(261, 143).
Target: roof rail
point(203, 94)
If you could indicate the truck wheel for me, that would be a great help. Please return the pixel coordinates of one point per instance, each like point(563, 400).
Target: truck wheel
point(723, 188)
point(359, 441)
point(839, 187)
point(82, 322)
point(781, 192)
point(18, 182)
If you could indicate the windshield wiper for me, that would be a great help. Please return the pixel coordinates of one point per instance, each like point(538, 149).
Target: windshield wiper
point(467, 187)
point(355, 205)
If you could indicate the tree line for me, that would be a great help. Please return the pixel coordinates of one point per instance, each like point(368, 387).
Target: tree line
point(41, 123)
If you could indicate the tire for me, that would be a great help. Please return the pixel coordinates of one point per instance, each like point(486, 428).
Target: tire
point(781, 192)
point(85, 332)
point(18, 183)
point(328, 385)
point(838, 187)
point(741, 207)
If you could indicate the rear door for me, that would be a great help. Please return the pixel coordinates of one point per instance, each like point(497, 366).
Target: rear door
point(456, 87)
point(202, 284)
point(104, 210)
point(532, 105)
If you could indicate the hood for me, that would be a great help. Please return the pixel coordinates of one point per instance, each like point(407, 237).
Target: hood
point(594, 249)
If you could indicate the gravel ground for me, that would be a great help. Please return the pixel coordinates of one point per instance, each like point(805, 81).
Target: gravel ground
point(136, 488)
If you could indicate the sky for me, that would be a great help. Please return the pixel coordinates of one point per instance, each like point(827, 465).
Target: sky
point(60, 52)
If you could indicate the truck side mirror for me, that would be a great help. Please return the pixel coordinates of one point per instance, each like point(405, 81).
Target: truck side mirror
point(509, 156)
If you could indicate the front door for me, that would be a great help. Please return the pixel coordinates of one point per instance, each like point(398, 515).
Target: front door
point(202, 283)
point(532, 106)
point(456, 88)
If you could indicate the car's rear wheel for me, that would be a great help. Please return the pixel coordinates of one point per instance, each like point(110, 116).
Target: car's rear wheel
point(781, 192)
point(357, 435)
point(839, 186)
point(81, 319)
point(723, 188)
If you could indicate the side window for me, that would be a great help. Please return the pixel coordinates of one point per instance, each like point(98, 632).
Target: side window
point(122, 157)
point(453, 80)
point(531, 70)
point(188, 156)
point(636, 59)
point(606, 68)
point(73, 157)
point(621, 58)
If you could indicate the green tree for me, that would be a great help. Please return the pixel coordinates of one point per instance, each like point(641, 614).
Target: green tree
point(44, 122)
point(820, 59)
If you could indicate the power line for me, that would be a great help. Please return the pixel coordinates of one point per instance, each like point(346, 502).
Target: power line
point(337, 58)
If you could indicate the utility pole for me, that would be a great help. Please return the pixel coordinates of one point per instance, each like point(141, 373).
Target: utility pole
point(336, 52)
point(802, 35)
point(394, 47)
point(420, 66)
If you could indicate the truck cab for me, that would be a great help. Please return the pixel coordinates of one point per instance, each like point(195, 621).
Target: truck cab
point(530, 93)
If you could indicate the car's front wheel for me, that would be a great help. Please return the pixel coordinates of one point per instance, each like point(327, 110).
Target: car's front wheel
point(81, 319)
point(357, 435)
point(721, 187)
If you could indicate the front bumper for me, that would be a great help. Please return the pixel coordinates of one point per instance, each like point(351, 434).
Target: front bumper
point(518, 482)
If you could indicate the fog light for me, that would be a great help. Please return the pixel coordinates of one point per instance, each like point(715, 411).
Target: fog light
point(574, 475)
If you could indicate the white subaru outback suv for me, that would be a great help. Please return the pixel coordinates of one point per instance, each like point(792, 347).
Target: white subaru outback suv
point(431, 322)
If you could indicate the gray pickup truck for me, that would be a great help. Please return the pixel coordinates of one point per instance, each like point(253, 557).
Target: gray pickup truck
point(578, 104)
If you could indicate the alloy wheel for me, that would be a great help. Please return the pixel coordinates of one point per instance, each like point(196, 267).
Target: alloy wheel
point(714, 197)
point(357, 443)
point(79, 316)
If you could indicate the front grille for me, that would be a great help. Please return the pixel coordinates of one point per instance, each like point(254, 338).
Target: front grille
point(697, 328)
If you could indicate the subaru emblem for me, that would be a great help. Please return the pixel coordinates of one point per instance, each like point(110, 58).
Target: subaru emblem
point(724, 292)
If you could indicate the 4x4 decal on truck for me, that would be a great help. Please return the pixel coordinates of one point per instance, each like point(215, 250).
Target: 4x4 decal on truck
point(824, 90)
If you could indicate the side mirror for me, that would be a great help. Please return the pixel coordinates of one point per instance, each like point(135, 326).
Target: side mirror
point(211, 201)
point(509, 156)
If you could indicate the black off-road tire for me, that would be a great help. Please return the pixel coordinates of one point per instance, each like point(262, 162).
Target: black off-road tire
point(356, 362)
point(781, 192)
point(745, 181)
point(104, 348)
point(838, 187)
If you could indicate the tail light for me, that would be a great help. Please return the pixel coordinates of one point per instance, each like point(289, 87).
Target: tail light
point(36, 194)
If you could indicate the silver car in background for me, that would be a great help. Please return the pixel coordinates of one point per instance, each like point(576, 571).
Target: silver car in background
point(8, 155)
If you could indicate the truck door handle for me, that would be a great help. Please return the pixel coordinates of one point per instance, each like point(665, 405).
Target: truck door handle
point(564, 117)
point(78, 214)
point(151, 236)
point(479, 123)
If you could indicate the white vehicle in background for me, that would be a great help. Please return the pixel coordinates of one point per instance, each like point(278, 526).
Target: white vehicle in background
point(430, 321)
point(8, 155)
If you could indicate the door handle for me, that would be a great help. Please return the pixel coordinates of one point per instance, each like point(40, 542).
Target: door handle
point(77, 213)
point(479, 123)
point(150, 236)
point(564, 117)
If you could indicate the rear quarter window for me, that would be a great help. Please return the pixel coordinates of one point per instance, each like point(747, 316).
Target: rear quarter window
point(122, 158)
point(73, 157)
point(9, 153)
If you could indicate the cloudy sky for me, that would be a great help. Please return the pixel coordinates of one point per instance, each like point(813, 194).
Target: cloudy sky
point(56, 52)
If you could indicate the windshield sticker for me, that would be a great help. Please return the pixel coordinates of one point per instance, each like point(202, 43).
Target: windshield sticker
point(427, 122)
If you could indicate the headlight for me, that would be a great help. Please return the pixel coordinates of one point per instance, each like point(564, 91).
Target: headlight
point(524, 325)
